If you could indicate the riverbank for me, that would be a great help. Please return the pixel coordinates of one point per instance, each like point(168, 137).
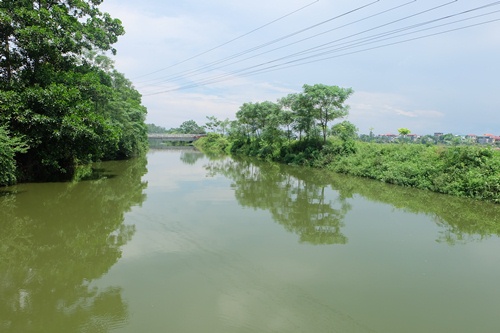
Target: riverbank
point(463, 171)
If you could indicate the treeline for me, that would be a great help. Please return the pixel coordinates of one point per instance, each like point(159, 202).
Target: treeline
point(62, 103)
point(296, 130)
point(187, 127)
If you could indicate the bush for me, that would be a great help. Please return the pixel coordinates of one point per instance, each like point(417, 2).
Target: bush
point(8, 149)
point(213, 144)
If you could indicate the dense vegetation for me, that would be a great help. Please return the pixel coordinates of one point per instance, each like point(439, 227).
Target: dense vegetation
point(62, 104)
point(294, 131)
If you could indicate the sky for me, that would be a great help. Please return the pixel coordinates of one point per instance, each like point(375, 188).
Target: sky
point(426, 65)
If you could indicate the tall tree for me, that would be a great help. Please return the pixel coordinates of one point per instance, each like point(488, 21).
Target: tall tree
point(191, 127)
point(303, 115)
point(327, 103)
point(59, 91)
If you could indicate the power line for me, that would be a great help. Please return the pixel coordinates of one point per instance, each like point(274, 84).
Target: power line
point(323, 59)
point(232, 40)
point(207, 66)
point(253, 70)
point(272, 68)
point(348, 12)
point(359, 33)
point(322, 47)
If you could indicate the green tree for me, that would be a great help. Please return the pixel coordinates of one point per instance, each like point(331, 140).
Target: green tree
point(345, 130)
point(37, 36)
point(191, 127)
point(8, 148)
point(218, 126)
point(348, 133)
point(248, 116)
point(152, 128)
point(404, 131)
point(60, 92)
point(327, 103)
point(128, 115)
point(303, 114)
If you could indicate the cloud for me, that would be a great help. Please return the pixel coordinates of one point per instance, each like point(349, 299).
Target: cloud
point(389, 111)
point(221, 100)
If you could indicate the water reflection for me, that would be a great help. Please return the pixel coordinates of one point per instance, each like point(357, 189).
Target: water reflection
point(55, 239)
point(461, 220)
point(296, 199)
point(191, 156)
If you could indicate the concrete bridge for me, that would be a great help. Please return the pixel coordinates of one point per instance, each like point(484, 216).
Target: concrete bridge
point(174, 137)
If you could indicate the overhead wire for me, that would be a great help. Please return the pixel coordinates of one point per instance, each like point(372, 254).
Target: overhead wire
point(180, 74)
point(324, 47)
point(257, 69)
point(267, 70)
point(351, 11)
point(376, 47)
point(209, 66)
point(230, 41)
point(368, 30)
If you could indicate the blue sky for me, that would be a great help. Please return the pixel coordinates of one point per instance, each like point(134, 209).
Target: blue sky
point(444, 83)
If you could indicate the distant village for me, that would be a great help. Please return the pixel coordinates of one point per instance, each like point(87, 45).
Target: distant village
point(436, 138)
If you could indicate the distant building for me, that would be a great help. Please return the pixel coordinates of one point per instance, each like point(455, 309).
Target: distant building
point(490, 138)
point(438, 134)
point(485, 139)
point(388, 136)
point(472, 138)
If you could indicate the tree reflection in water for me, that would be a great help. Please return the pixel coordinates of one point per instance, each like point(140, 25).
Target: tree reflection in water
point(296, 198)
point(191, 156)
point(461, 220)
point(55, 240)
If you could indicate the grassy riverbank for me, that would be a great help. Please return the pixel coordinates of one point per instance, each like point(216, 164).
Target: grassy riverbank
point(464, 171)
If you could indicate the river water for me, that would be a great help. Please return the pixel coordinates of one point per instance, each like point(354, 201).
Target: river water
point(183, 243)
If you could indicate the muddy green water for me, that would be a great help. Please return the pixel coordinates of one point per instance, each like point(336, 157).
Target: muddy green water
point(188, 244)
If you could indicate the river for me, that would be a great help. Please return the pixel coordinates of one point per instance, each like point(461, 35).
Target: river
point(179, 242)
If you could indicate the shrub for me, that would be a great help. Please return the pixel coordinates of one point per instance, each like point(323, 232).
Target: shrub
point(8, 148)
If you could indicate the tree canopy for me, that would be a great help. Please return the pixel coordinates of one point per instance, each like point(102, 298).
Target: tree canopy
point(60, 92)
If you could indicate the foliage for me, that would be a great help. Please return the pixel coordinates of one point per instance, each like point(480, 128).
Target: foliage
point(403, 131)
point(187, 127)
point(218, 126)
point(8, 148)
point(60, 92)
point(213, 144)
point(152, 128)
point(327, 103)
point(191, 127)
point(128, 117)
point(465, 171)
point(461, 171)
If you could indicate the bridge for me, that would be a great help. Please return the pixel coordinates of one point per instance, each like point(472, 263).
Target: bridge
point(160, 137)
